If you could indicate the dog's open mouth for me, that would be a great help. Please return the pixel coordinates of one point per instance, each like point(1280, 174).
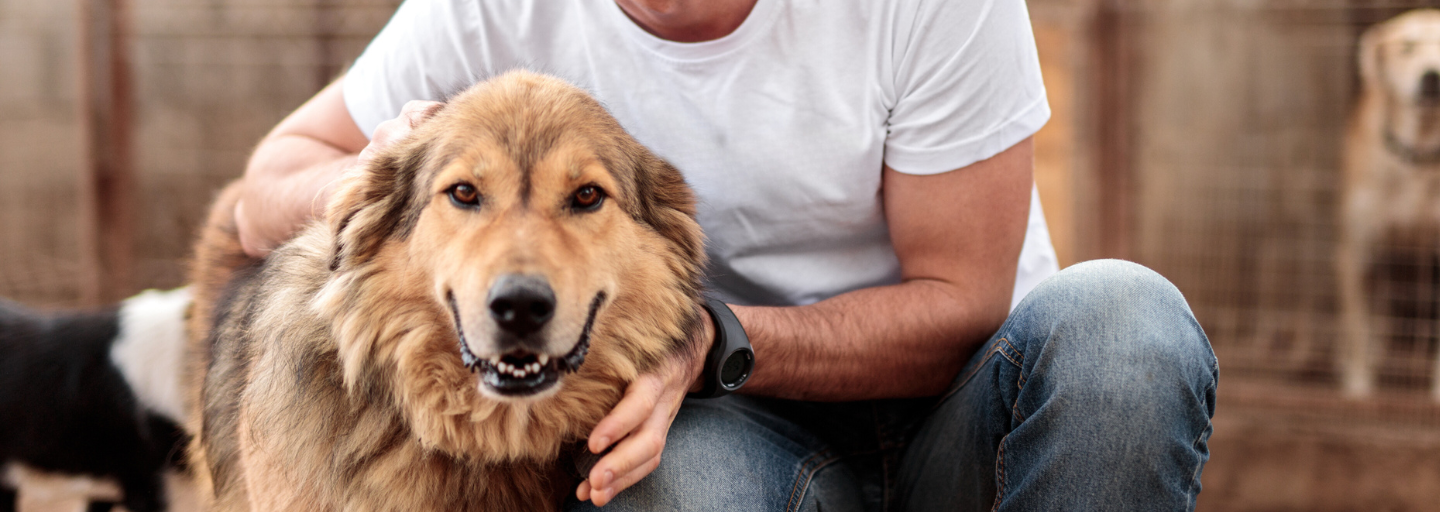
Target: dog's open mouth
point(519, 372)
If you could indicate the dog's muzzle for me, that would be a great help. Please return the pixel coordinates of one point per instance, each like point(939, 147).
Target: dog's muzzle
point(519, 372)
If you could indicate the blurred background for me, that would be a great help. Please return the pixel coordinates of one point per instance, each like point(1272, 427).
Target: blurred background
point(1203, 138)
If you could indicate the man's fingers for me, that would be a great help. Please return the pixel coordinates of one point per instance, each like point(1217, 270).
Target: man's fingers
point(602, 496)
point(637, 405)
point(411, 115)
point(629, 454)
point(630, 460)
point(385, 133)
point(640, 421)
point(582, 493)
point(417, 111)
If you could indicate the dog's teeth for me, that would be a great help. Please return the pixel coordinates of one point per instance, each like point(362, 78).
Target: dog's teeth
point(520, 371)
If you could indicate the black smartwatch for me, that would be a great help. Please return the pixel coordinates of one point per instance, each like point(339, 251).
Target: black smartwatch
point(730, 360)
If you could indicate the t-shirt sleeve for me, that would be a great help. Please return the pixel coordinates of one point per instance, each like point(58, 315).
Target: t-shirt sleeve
point(967, 86)
point(421, 54)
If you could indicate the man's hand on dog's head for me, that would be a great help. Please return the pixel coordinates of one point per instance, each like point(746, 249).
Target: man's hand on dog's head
point(642, 420)
point(259, 240)
point(412, 115)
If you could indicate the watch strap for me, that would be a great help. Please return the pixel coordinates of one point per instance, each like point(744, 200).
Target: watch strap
point(730, 340)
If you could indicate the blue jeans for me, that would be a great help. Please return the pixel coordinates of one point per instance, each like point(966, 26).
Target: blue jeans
point(1096, 394)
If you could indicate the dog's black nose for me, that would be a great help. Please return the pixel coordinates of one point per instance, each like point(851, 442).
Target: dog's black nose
point(1430, 85)
point(521, 304)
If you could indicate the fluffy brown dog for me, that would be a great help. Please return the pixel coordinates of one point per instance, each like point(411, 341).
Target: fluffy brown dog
point(479, 298)
point(1391, 192)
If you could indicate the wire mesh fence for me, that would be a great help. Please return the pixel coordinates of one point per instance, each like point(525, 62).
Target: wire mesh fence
point(1203, 138)
point(39, 151)
point(1237, 138)
point(209, 78)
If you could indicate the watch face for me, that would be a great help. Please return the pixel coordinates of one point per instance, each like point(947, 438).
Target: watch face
point(736, 368)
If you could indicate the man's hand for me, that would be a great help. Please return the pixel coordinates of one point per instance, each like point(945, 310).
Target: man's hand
point(641, 421)
point(412, 115)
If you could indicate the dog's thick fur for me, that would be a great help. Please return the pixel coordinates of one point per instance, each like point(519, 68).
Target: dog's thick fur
point(330, 375)
point(1391, 190)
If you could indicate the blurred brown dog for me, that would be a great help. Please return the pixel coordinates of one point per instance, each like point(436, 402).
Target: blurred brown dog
point(1391, 190)
point(479, 297)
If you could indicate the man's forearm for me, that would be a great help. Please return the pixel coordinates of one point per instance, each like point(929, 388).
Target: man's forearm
point(286, 185)
point(288, 176)
point(903, 340)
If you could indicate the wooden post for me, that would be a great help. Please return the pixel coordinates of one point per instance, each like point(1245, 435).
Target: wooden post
point(327, 30)
point(1114, 61)
point(108, 182)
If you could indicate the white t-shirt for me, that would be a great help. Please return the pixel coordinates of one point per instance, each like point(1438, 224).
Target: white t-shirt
point(781, 127)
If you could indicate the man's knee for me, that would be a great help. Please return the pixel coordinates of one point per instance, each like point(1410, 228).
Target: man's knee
point(1114, 331)
point(1107, 291)
point(1105, 375)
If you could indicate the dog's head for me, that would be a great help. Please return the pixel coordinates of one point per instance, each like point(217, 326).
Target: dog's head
point(550, 246)
point(1400, 58)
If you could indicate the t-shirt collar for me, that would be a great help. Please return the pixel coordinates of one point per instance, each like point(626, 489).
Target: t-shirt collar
point(756, 22)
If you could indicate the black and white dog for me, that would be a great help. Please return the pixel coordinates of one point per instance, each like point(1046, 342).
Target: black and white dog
point(94, 393)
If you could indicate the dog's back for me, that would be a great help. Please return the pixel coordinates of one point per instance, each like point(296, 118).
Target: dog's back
point(218, 260)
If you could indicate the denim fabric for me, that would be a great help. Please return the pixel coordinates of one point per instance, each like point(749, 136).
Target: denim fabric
point(1096, 394)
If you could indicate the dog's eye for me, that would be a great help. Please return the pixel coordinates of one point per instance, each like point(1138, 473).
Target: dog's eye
point(464, 195)
point(587, 198)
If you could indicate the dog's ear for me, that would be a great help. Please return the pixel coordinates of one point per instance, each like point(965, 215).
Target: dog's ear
point(1370, 54)
point(666, 202)
point(376, 204)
